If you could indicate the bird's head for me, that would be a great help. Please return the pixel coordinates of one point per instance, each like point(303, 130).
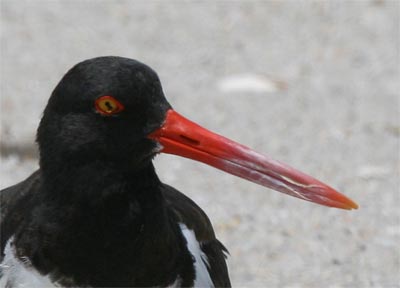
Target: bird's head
point(113, 109)
point(102, 110)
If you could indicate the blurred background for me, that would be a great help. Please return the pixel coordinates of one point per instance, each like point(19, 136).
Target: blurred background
point(312, 83)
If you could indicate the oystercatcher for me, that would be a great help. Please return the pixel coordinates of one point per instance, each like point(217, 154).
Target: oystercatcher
point(96, 215)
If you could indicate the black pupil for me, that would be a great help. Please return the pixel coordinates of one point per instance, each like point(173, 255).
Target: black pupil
point(109, 106)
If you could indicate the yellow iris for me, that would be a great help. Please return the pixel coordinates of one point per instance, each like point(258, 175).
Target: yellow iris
point(108, 105)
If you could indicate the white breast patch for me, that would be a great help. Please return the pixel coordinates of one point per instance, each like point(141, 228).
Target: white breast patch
point(17, 274)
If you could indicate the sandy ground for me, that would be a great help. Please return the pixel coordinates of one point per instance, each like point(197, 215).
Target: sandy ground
point(314, 84)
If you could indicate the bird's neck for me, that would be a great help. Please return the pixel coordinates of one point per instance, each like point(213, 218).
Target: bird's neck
point(114, 225)
point(96, 182)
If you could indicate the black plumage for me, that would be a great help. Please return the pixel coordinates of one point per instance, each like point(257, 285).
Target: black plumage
point(95, 213)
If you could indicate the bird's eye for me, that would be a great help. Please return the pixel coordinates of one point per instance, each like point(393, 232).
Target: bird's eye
point(108, 105)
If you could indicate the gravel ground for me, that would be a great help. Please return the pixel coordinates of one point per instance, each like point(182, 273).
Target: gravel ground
point(314, 84)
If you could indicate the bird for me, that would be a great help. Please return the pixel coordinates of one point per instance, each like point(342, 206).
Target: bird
point(95, 213)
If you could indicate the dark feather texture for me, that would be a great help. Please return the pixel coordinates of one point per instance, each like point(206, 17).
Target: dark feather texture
point(95, 213)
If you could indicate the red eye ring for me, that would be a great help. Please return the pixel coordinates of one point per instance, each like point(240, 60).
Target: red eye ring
point(108, 105)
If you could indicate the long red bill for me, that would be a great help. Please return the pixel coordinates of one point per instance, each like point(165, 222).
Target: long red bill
point(182, 137)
